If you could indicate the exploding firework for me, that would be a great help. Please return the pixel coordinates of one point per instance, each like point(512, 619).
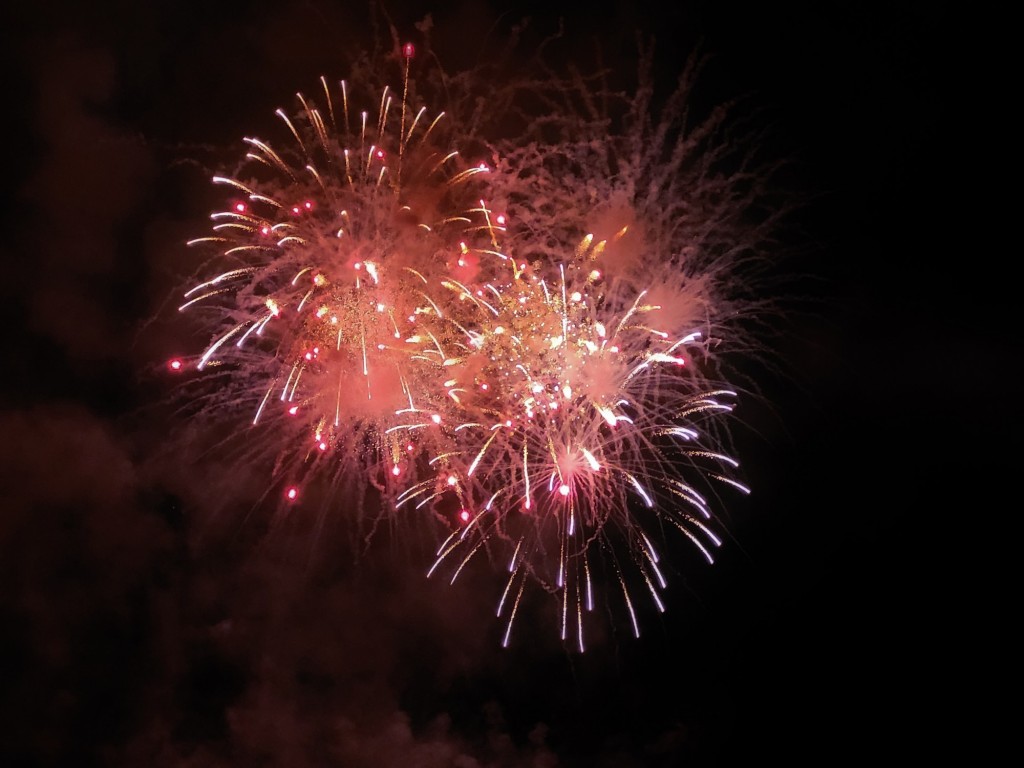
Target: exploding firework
point(324, 256)
point(525, 349)
point(577, 429)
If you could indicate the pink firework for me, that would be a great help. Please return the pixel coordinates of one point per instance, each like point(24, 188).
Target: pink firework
point(527, 345)
point(318, 290)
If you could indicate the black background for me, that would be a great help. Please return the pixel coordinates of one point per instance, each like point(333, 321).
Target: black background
point(841, 625)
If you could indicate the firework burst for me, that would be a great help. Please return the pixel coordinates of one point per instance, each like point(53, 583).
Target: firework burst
point(325, 252)
point(525, 350)
point(577, 434)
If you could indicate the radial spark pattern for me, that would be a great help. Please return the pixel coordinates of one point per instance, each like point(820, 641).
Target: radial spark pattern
point(518, 345)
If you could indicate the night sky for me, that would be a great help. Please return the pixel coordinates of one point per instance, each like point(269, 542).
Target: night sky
point(137, 628)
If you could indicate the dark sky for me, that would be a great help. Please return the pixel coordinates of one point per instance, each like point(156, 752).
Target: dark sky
point(135, 631)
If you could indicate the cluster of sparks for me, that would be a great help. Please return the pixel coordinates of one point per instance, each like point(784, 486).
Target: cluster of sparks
point(388, 329)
